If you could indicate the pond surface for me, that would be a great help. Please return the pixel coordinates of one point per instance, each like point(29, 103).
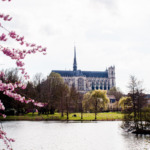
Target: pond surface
point(51, 135)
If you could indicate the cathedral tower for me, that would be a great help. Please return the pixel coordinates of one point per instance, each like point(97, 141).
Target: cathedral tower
point(75, 61)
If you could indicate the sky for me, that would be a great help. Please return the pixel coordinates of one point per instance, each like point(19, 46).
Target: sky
point(106, 33)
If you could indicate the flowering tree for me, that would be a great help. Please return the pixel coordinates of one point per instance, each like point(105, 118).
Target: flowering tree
point(18, 56)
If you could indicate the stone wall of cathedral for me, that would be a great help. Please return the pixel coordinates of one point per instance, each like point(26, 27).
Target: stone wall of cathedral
point(84, 84)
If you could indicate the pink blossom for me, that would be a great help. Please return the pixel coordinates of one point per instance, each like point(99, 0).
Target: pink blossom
point(1, 106)
point(4, 116)
point(19, 63)
point(7, 18)
point(24, 86)
point(3, 37)
point(2, 74)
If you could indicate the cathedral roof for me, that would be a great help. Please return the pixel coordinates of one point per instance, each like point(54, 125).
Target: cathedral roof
point(75, 72)
point(98, 74)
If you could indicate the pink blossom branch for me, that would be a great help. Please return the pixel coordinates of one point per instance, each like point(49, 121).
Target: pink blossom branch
point(7, 141)
point(6, 0)
point(5, 17)
point(9, 90)
point(15, 54)
point(20, 39)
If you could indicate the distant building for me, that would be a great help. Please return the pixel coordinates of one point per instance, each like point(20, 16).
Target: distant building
point(88, 80)
point(113, 105)
point(147, 99)
point(112, 98)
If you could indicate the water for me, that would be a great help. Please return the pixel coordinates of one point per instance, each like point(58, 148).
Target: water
point(51, 135)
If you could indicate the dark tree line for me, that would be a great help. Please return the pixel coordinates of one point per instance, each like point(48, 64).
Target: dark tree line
point(51, 90)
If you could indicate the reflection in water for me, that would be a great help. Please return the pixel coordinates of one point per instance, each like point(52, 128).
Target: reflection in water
point(50, 135)
point(137, 142)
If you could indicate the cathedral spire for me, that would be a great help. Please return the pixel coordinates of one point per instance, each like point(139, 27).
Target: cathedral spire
point(75, 61)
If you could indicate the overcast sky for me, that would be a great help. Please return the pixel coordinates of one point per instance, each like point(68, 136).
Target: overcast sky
point(106, 33)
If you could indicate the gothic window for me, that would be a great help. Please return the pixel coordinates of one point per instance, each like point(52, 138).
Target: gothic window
point(104, 85)
point(81, 84)
point(112, 82)
point(93, 86)
point(97, 85)
point(101, 85)
point(73, 85)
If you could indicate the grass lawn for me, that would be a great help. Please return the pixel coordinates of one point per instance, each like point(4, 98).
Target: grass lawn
point(57, 116)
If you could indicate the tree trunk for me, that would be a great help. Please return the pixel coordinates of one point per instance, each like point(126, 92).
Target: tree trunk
point(67, 108)
point(96, 110)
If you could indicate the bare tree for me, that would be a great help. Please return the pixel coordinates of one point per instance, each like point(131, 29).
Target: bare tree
point(133, 114)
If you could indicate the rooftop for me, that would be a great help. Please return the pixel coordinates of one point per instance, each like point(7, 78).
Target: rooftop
point(98, 74)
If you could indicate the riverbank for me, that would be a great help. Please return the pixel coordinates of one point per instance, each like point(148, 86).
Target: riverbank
point(110, 116)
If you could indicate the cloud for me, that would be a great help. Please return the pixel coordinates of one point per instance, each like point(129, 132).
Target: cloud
point(48, 30)
point(106, 2)
point(107, 32)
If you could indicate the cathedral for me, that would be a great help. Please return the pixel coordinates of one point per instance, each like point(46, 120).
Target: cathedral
point(85, 81)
